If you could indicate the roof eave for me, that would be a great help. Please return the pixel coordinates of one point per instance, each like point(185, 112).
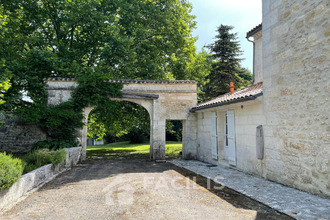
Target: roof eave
point(254, 31)
point(249, 98)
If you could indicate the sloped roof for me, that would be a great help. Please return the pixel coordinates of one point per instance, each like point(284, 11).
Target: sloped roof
point(254, 31)
point(246, 94)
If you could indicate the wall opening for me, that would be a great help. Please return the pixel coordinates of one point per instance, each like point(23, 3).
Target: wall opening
point(120, 130)
point(173, 147)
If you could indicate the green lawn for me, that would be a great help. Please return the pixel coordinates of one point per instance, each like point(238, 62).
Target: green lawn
point(125, 150)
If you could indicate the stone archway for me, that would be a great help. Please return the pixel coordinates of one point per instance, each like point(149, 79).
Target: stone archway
point(83, 133)
point(164, 100)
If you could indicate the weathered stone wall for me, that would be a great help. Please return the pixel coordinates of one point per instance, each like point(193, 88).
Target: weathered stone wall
point(164, 100)
point(18, 136)
point(247, 118)
point(59, 91)
point(296, 54)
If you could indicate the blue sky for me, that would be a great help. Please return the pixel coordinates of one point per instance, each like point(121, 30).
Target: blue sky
point(242, 14)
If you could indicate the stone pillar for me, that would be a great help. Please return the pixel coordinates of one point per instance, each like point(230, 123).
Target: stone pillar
point(189, 137)
point(157, 139)
point(151, 137)
point(82, 134)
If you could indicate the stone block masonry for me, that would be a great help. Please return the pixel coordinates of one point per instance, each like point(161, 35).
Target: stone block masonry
point(296, 93)
point(164, 100)
point(18, 136)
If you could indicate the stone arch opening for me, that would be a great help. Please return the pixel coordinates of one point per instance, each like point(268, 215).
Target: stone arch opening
point(125, 104)
point(164, 100)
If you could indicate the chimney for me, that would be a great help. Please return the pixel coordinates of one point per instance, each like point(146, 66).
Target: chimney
point(231, 87)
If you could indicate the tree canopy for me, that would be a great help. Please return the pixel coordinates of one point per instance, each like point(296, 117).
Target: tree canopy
point(225, 67)
point(136, 39)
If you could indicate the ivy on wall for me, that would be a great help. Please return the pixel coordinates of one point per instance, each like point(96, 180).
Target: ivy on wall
point(62, 121)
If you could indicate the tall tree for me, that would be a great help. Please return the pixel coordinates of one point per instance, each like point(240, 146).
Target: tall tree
point(225, 67)
point(137, 39)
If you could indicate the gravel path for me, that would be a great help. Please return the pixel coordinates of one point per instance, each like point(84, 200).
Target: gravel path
point(105, 189)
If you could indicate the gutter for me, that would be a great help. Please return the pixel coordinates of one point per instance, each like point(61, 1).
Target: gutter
point(249, 98)
point(254, 51)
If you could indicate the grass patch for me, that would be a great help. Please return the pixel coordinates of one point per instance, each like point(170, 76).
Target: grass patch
point(125, 150)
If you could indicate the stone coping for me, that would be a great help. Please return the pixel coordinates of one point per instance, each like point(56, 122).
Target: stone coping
point(125, 81)
point(32, 181)
point(296, 203)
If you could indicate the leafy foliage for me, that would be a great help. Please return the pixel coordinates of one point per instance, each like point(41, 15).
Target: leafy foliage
point(174, 130)
point(121, 119)
point(94, 41)
point(11, 170)
point(4, 86)
point(40, 157)
point(225, 52)
point(55, 144)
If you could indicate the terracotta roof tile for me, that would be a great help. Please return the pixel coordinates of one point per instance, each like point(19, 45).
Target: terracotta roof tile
point(238, 96)
point(254, 31)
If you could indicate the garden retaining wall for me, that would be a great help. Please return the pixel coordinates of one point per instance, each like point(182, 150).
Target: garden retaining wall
point(33, 180)
point(18, 136)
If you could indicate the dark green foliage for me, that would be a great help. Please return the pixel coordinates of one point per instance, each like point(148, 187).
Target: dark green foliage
point(174, 130)
point(94, 89)
point(40, 157)
point(11, 170)
point(55, 144)
point(93, 41)
point(61, 121)
point(225, 52)
point(137, 135)
point(119, 118)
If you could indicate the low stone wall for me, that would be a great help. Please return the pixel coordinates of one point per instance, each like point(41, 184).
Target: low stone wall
point(32, 181)
point(18, 136)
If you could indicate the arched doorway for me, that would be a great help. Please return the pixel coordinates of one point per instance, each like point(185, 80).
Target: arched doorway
point(131, 111)
point(118, 121)
point(164, 100)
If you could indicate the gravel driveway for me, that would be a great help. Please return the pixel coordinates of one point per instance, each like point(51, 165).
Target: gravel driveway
point(107, 189)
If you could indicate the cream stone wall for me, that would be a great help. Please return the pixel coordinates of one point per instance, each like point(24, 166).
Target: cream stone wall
point(258, 74)
point(164, 100)
point(248, 115)
point(296, 70)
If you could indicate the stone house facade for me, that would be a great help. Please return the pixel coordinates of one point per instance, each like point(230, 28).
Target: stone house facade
point(279, 127)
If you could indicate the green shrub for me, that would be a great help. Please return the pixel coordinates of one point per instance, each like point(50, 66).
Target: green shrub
point(40, 157)
point(11, 170)
point(59, 156)
point(137, 135)
point(55, 144)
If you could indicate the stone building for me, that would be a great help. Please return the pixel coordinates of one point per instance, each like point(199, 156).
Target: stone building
point(227, 125)
point(279, 127)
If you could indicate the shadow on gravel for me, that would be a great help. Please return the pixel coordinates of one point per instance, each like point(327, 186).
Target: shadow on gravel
point(99, 169)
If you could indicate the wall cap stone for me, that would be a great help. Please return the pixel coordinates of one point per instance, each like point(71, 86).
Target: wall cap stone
point(32, 181)
point(126, 81)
